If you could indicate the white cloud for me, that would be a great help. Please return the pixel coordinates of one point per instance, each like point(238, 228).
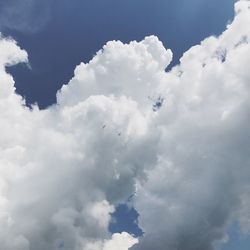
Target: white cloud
point(121, 241)
point(58, 169)
point(64, 169)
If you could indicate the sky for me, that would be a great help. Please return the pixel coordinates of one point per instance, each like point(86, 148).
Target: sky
point(58, 35)
point(124, 125)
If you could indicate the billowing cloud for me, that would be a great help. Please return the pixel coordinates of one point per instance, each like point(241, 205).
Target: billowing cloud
point(178, 142)
point(121, 241)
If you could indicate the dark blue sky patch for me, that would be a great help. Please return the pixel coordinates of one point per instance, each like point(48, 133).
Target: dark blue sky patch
point(75, 30)
point(125, 219)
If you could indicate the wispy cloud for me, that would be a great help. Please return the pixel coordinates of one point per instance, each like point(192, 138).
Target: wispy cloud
point(25, 15)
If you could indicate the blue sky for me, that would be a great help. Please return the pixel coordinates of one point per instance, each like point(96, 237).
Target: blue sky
point(236, 239)
point(74, 31)
point(58, 36)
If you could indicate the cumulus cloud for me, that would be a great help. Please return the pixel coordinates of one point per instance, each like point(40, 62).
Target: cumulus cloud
point(59, 167)
point(121, 241)
point(63, 170)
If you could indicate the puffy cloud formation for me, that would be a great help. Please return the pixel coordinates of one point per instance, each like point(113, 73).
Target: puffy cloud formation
point(121, 241)
point(177, 141)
